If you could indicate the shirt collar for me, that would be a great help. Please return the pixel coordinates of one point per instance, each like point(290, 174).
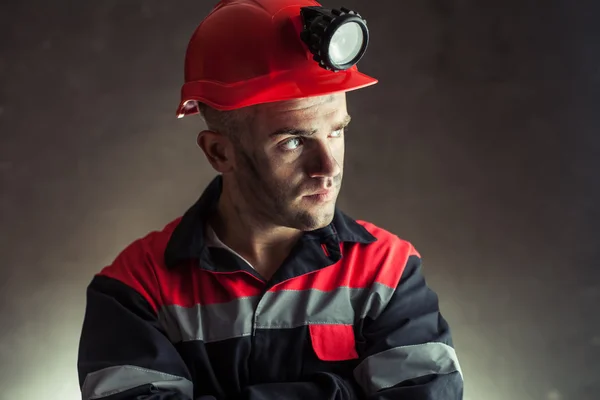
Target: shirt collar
point(188, 240)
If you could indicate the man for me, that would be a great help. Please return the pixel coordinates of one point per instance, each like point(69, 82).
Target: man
point(264, 289)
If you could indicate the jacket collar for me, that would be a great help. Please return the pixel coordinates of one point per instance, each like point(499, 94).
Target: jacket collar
point(188, 240)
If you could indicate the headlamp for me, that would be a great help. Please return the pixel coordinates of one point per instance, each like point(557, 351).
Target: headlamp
point(337, 38)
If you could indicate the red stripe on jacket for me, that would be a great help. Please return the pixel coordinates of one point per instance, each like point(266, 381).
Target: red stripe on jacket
point(141, 266)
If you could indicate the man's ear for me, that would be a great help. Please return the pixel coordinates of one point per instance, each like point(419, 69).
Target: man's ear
point(218, 150)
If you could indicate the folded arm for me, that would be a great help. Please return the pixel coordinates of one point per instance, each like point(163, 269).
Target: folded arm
point(123, 353)
point(407, 351)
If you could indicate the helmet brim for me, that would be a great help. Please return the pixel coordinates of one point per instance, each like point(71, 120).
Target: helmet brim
point(271, 88)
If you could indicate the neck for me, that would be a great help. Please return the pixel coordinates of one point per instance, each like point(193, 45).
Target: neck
point(262, 243)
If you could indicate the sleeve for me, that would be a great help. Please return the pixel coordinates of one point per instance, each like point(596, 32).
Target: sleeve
point(406, 351)
point(123, 353)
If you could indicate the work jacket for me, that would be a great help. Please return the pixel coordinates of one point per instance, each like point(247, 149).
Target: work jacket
point(348, 315)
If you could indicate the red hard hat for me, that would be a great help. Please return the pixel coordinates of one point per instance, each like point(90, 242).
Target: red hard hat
point(248, 52)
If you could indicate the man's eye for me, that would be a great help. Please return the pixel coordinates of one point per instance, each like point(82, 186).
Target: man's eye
point(337, 133)
point(291, 144)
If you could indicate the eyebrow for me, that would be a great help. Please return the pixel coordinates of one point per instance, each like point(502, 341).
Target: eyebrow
point(304, 132)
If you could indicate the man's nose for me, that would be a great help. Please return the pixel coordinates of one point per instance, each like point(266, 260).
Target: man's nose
point(324, 163)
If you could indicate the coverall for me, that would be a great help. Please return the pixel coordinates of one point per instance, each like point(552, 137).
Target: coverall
point(348, 315)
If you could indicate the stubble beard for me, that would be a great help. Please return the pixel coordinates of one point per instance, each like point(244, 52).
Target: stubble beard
point(272, 201)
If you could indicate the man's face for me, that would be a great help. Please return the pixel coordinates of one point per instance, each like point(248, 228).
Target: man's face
point(289, 166)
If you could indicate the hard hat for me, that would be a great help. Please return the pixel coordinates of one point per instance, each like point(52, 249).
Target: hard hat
point(248, 52)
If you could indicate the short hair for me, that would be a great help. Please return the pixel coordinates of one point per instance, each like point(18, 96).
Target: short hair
point(233, 123)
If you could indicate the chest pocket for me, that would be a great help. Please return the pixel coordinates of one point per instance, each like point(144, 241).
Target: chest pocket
point(333, 342)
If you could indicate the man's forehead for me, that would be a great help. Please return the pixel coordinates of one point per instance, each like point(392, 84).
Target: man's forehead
point(305, 103)
point(306, 108)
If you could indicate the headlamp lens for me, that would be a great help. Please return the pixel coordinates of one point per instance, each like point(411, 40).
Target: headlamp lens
point(346, 43)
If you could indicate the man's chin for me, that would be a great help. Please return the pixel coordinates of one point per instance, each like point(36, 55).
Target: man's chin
point(311, 220)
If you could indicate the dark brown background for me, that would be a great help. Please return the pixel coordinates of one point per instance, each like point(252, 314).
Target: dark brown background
point(479, 145)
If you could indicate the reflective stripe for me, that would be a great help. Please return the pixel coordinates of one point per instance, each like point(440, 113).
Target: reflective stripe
point(209, 323)
point(393, 366)
point(275, 310)
point(113, 380)
point(293, 308)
